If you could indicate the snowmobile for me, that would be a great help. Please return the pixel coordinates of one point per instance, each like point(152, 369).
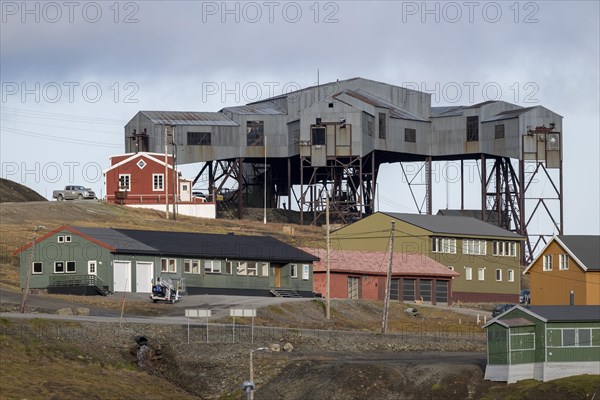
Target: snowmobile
point(164, 290)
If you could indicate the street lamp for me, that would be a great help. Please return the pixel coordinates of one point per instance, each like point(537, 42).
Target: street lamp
point(248, 385)
point(31, 258)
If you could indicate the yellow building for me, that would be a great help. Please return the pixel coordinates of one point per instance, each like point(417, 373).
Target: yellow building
point(567, 271)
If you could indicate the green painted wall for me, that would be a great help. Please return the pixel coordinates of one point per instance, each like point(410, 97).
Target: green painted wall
point(497, 336)
point(373, 233)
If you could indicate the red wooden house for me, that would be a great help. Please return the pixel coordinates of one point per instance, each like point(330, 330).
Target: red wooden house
point(145, 180)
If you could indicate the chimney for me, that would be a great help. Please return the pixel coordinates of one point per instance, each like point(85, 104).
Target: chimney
point(572, 298)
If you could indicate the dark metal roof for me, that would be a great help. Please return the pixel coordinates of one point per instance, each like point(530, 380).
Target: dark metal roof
point(453, 225)
point(489, 216)
point(448, 111)
point(205, 245)
point(115, 239)
point(264, 108)
point(585, 247)
point(566, 313)
point(189, 118)
point(483, 103)
point(395, 111)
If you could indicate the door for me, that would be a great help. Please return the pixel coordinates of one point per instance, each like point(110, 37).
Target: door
point(277, 277)
point(144, 276)
point(122, 276)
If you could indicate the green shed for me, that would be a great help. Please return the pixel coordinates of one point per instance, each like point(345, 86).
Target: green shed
point(543, 343)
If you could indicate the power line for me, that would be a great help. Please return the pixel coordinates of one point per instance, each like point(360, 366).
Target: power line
point(58, 138)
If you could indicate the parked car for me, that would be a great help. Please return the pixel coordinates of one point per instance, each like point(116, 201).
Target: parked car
point(501, 308)
point(73, 192)
point(525, 296)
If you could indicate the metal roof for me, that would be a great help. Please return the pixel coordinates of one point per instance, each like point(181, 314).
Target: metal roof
point(566, 313)
point(205, 245)
point(508, 114)
point(264, 108)
point(115, 239)
point(395, 111)
point(585, 247)
point(489, 216)
point(454, 225)
point(449, 111)
point(189, 118)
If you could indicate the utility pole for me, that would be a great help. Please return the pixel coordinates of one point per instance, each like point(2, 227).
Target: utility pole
point(328, 308)
point(166, 182)
point(31, 259)
point(265, 183)
point(388, 284)
point(175, 178)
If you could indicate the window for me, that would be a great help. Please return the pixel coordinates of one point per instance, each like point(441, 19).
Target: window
point(511, 275)
point(168, 265)
point(474, 246)
point(481, 274)
point(499, 131)
point(67, 239)
point(568, 337)
point(410, 135)
point(198, 138)
point(124, 182)
point(547, 263)
point(229, 267)
point(242, 268)
point(252, 268)
point(575, 337)
point(473, 129)
point(191, 266)
point(255, 133)
point(37, 268)
point(443, 245)
point(265, 269)
point(59, 267)
point(382, 127)
point(584, 337)
point(451, 268)
point(370, 127)
point(294, 270)
point(468, 273)
point(563, 262)
point(92, 267)
point(70, 267)
point(499, 275)
point(305, 271)
point(60, 239)
point(505, 248)
point(318, 135)
point(353, 287)
point(158, 182)
point(212, 266)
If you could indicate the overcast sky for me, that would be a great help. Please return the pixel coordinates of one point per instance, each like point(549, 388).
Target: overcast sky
point(74, 73)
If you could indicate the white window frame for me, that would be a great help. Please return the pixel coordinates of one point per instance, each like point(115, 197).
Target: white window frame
point(127, 187)
point(160, 185)
point(294, 270)
point(60, 239)
point(67, 270)
point(92, 267)
point(481, 274)
point(547, 262)
point(450, 267)
point(63, 267)
point(41, 264)
point(242, 269)
point(511, 275)
point(252, 268)
point(68, 239)
point(167, 263)
point(474, 247)
point(498, 275)
point(563, 262)
point(504, 248)
point(264, 269)
point(230, 266)
point(212, 266)
point(191, 267)
point(443, 245)
point(305, 272)
point(468, 273)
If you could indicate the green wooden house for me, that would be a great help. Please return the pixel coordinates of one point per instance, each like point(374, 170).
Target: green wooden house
point(100, 260)
point(543, 343)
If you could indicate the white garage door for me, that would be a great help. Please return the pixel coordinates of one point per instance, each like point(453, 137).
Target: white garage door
point(143, 276)
point(122, 276)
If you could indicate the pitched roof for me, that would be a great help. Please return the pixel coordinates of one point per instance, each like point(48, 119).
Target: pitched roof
point(189, 244)
point(585, 247)
point(264, 108)
point(375, 263)
point(551, 314)
point(489, 216)
point(508, 323)
point(189, 118)
point(394, 110)
point(118, 241)
point(454, 225)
